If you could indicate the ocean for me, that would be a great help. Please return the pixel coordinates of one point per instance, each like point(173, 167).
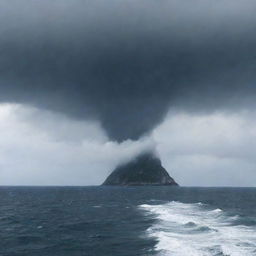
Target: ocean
point(127, 221)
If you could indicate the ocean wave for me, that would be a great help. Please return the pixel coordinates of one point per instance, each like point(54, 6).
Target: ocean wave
point(183, 229)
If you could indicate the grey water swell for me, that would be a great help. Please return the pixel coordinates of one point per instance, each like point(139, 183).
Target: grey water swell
point(126, 221)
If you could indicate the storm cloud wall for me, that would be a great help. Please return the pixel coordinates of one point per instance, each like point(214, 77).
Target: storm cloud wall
point(125, 63)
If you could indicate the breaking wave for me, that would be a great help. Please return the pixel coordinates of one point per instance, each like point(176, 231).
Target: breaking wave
point(196, 230)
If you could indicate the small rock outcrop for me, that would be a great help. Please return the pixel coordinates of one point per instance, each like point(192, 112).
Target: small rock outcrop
point(146, 169)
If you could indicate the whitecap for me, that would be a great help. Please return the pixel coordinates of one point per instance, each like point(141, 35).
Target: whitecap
point(195, 230)
point(217, 210)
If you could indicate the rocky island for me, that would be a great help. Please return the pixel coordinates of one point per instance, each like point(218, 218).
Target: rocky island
point(146, 169)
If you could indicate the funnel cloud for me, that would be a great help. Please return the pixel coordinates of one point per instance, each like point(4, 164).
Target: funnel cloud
point(126, 63)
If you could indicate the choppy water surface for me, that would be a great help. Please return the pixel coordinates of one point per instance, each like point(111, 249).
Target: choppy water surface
point(77, 221)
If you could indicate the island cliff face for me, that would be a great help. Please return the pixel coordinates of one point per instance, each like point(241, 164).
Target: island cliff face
point(146, 169)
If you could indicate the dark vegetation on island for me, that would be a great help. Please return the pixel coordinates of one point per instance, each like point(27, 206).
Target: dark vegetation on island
point(146, 169)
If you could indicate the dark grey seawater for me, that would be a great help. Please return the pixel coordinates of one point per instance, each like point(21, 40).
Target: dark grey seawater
point(104, 221)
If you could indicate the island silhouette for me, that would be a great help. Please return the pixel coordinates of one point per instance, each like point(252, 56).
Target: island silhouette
point(145, 169)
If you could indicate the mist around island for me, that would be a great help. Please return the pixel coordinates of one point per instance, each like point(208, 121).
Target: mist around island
point(43, 148)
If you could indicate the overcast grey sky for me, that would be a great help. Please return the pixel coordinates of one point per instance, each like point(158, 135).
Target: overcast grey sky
point(42, 148)
point(85, 85)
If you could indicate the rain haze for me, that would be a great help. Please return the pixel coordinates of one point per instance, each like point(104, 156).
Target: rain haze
point(87, 85)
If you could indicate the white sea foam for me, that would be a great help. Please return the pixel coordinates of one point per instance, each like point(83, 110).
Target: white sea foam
point(194, 230)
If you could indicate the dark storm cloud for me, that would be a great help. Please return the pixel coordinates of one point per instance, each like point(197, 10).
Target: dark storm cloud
point(126, 63)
